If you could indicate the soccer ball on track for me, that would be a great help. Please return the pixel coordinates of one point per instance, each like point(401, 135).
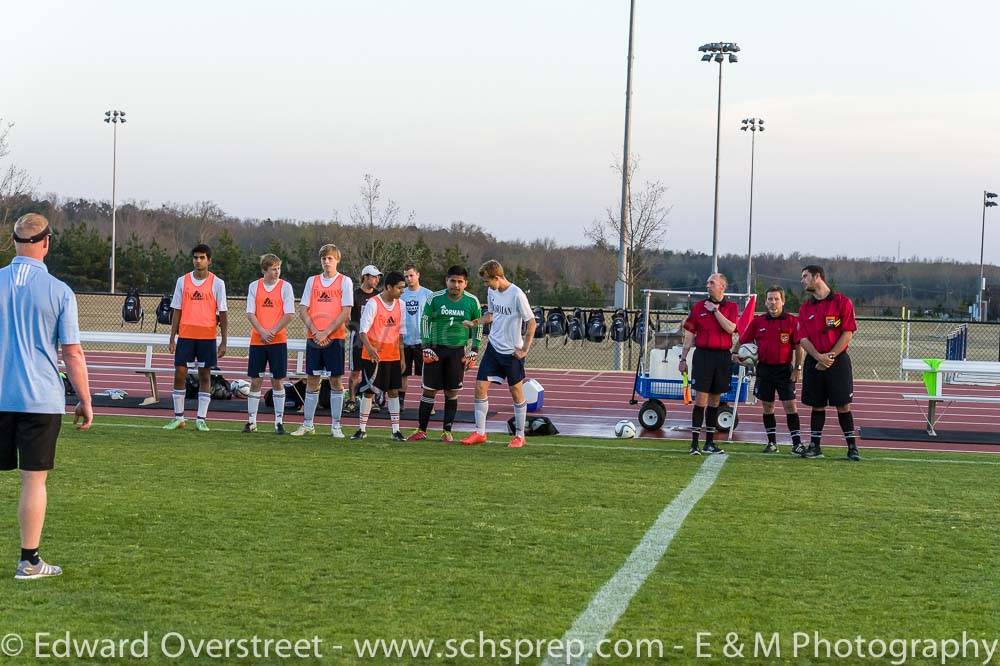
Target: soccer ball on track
point(625, 429)
point(240, 388)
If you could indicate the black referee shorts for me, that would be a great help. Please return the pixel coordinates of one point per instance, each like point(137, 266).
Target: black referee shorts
point(773, 379)
point(711, 371)
point(833, 386)
point(28, 441)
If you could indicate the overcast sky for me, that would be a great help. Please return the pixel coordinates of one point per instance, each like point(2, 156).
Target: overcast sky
point(882, 117)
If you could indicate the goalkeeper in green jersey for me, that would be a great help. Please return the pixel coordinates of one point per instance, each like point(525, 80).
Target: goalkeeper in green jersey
point(449, 322)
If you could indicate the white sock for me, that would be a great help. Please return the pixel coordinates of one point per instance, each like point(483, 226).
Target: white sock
point(279, 405)
point(203, 400)
point(364, 409)
point(482, 407)
point(179, 403)
point(309, 408)
point(253, 402)
point(520, 414)
point(336, 406)
point(394, 413)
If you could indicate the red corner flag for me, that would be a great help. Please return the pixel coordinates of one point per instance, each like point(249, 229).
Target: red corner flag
point(747, 315)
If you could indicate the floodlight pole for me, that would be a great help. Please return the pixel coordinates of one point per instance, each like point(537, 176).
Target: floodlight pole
point(718, 141)
point(625, 219)
point(113, 118)
point(753, 125)
point(987, 203)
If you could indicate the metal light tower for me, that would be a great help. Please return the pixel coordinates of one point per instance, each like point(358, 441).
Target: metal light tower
point(718, 51)
point(114, 117)
point(987, 203)
point(754, 125)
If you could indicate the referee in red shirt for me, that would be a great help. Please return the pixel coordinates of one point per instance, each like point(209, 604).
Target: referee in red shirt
point(777, 366)
point(709, 328)
point(825, 328)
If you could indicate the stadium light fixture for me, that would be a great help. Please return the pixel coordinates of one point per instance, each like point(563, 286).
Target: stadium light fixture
point(987, 203)
point(114, 118)
point(718, 51)
point(753, 125)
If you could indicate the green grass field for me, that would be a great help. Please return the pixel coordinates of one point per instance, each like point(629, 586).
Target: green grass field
point(230, 536)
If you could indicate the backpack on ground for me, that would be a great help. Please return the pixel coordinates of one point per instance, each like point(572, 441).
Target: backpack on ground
point(555, 323)
point(597, 327)
point(164, 313)
point(534, 425)
point(539, 313)
point(293, 398)
point(132, 309)
point(220, 388)
point(619, 326)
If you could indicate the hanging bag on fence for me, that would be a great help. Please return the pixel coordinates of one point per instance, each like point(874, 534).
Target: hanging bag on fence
point(575, 326)
point(555, 324)
point(539, 313)
point(619, 326)
point(597, 327)
point(639, 328)
point(164, 312)
point(132, 308)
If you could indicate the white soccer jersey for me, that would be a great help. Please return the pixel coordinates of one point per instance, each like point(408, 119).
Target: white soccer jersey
point(510, 309)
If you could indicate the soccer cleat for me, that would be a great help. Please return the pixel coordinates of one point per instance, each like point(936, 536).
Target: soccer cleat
point(358, 436)
point(201, 426)
point(304, 430)
point(447, 437)
point(336, 432)
point(771, 448)
point(712, 448)
point(418, 436)
point(175, 423)
point(397, 437)
point(695, 451)
point(249, 427)
point(473, 439)
point(279, 429)
point(797, 450)
point(814, 451)
point(516, 442)
point(28, 571)
point(852, 453)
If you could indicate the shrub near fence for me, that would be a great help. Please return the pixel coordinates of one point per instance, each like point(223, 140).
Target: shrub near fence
point(876, 350)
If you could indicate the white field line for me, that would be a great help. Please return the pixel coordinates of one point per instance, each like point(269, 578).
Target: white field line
point(594, 623)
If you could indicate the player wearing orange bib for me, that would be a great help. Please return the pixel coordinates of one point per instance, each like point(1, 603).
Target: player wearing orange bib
point(324, 309)
point(270, 306)
point(382, 358)
point(199, 301)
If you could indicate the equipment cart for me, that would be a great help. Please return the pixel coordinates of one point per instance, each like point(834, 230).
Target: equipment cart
point(657, 377)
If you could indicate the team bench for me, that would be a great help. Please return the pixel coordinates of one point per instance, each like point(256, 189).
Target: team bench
point(984, 371)
point(147, 341)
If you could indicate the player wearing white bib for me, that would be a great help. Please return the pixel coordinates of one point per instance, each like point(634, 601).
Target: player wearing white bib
point(507, 308)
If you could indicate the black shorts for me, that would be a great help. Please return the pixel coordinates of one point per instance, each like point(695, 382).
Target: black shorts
point(496, 367)
point(203, 353)
point(448, 372)
point(773, 379)
point(414, 357)
point(28, 441)
point(833, 386)
point(380, 377)
point(273, 356)
point(325, 361)
point(711, 371)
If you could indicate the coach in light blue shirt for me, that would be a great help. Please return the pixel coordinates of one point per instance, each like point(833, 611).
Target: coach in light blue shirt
point(37, 315)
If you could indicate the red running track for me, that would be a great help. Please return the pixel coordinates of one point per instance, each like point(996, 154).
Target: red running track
point(582, 402)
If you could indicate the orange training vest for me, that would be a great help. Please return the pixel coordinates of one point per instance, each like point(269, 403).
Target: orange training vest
point(269, 308)
point(198, 309)
point(325, 304)
point(385, 331)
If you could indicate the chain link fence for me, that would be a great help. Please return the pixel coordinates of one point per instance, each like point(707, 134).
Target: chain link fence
point(876, 350)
